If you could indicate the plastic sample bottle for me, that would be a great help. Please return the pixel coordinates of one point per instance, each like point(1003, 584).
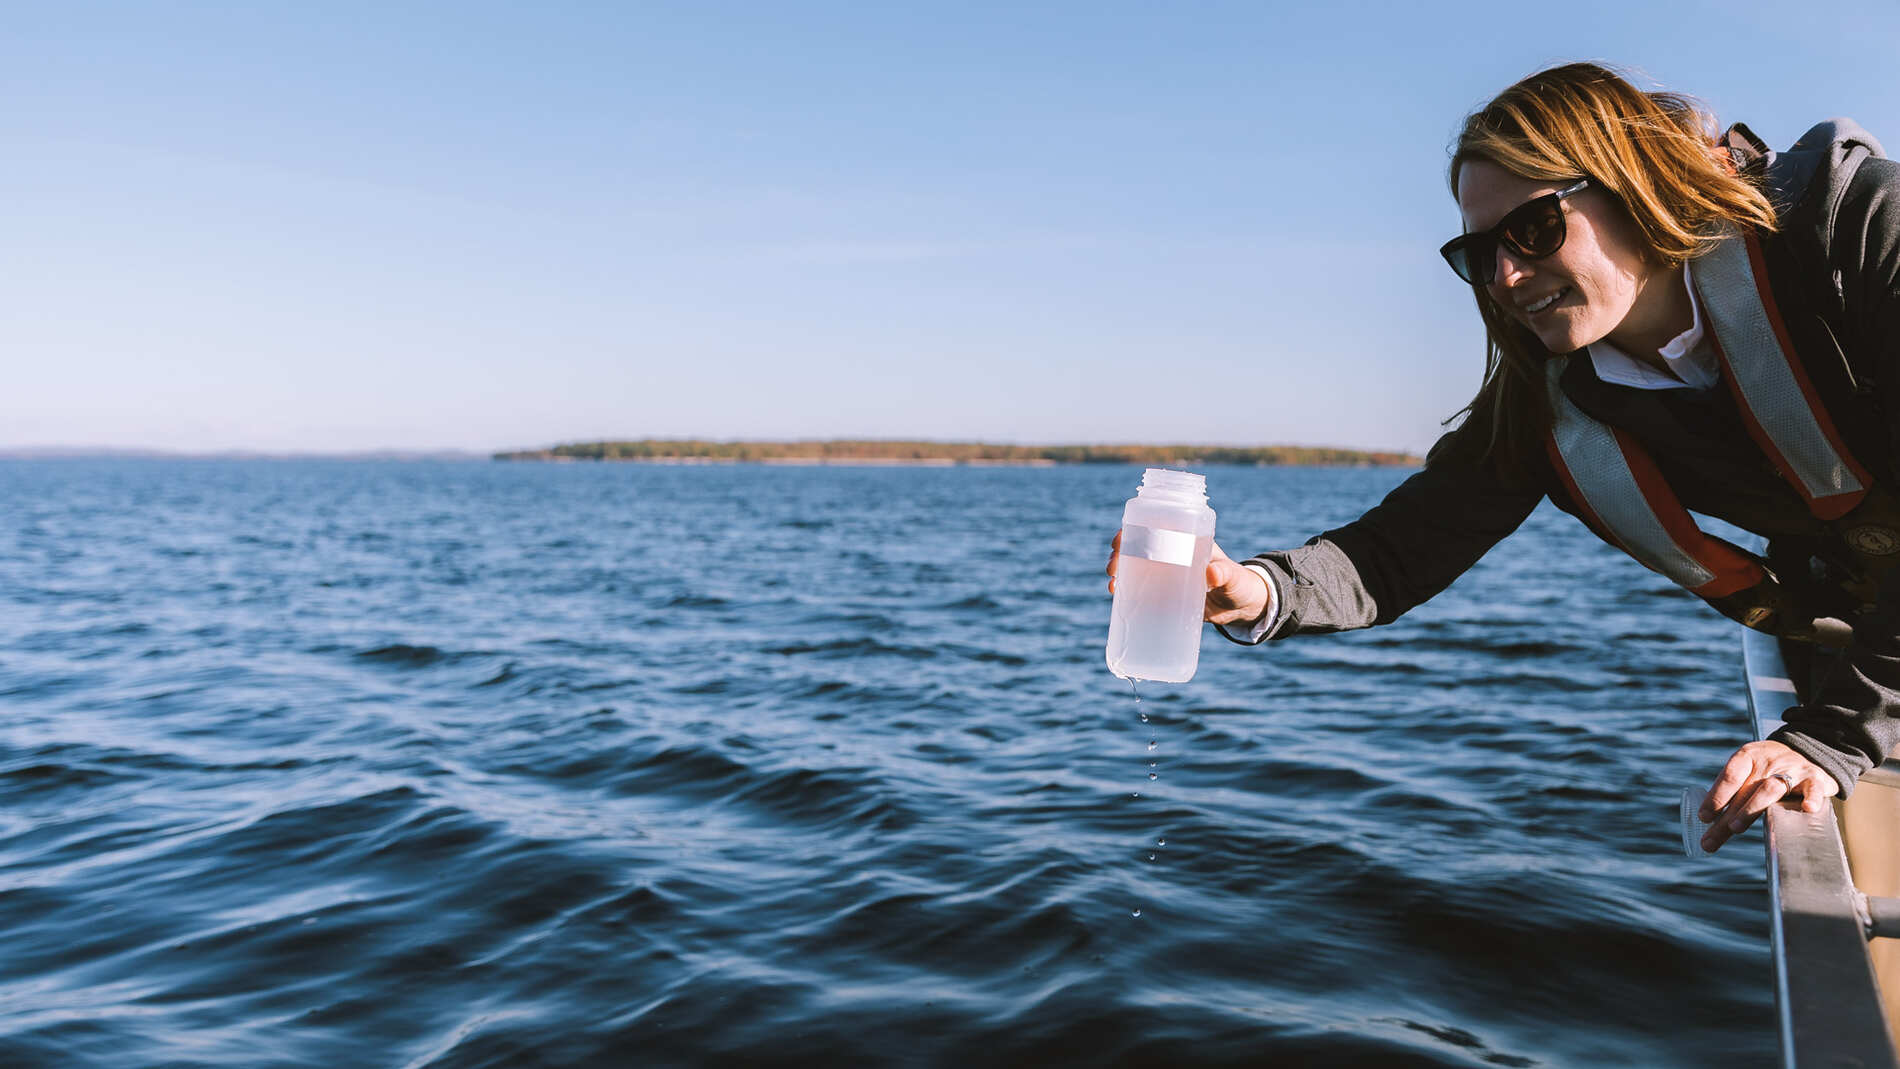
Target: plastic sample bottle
point(1154, 625)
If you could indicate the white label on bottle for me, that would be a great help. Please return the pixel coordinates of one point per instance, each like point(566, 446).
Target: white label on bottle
point(1154, 543)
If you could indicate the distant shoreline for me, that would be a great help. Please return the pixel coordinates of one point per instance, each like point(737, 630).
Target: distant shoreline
point(951, 454)
point(789, 462)
point(796, 454)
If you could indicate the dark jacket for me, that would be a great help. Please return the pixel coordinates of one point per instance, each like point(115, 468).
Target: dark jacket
point(1834, 268)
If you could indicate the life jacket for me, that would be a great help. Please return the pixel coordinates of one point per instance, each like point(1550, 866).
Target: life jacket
point(1622, 496)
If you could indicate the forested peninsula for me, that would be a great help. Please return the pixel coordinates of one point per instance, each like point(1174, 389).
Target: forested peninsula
point(686, 451)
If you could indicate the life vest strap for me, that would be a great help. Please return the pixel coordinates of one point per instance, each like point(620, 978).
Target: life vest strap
point(1622, 493)
point(1777, 401)
point(1628, 502)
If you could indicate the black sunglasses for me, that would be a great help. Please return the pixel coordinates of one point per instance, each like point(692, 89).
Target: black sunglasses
point(1533, 230)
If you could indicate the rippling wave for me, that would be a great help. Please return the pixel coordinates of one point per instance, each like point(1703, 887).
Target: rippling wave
point(323, 763)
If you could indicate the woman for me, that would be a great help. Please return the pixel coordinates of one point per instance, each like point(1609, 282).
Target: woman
point(1674, 322)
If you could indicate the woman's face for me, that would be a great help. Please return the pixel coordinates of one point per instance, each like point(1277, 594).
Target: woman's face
point(1596, 278)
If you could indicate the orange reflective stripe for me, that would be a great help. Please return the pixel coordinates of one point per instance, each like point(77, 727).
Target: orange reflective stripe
point(1732, 570)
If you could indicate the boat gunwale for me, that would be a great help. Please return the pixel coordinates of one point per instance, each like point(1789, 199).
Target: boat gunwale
point(1827, 997)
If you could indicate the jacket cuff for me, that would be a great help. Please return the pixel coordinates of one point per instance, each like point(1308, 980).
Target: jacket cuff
point(1258, 631)
point(1845, 768)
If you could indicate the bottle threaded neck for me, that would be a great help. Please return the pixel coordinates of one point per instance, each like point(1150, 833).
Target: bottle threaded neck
point(1183, 486)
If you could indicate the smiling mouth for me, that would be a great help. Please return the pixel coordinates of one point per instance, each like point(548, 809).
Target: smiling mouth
point(1539, 306)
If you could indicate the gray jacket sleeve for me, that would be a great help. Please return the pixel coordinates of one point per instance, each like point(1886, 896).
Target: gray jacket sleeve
point(1849, 725)
point(1425, 534)
point(1852, 722)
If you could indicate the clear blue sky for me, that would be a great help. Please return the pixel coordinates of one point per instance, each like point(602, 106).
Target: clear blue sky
point(340, 226)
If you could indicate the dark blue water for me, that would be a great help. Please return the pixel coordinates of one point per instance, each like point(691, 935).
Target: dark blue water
point(389, 764)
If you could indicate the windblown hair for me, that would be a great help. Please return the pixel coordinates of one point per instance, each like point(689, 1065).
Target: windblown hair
point(1655, 152)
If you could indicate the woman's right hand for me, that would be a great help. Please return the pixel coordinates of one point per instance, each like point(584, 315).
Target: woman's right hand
point(1235, 594)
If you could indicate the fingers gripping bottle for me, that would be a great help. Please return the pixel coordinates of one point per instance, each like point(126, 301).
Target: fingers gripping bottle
point(1154, 626)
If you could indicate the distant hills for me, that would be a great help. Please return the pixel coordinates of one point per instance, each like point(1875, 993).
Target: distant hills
point(687, 451)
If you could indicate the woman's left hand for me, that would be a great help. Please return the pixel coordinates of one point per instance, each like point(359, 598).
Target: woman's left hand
point(1757, 776)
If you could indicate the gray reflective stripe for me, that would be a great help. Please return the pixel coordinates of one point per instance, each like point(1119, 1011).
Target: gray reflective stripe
point(1726, 282)
point(1609, 488)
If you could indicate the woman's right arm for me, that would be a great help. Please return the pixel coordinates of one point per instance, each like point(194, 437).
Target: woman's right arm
point(1427, 532)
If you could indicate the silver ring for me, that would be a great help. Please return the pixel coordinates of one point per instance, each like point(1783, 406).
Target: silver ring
point(1783, 777)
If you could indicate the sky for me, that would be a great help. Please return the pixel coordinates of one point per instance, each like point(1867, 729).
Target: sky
point(482, 226)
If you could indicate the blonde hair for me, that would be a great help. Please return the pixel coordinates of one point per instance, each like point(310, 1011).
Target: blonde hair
point(1655, 152)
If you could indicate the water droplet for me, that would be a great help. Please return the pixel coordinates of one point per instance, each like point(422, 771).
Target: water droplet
point(1161, 842)
point(1134, 794)
point(1144, 718)
point(1152, 764)
point(1152, 743)
point(1154, 775)
point(1137, 913)
point(1151, 857)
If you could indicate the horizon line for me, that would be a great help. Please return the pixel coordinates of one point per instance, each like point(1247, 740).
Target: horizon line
point(76, 451)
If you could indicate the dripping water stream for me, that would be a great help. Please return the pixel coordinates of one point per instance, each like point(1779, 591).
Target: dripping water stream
point(1154, 743)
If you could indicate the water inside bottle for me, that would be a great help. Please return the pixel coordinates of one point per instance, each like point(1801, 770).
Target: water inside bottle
point(1154, 627)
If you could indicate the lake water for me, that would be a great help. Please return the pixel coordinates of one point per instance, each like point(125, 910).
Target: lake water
point(313, 763)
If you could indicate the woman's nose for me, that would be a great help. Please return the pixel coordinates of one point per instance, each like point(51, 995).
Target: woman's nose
point(1510, 270)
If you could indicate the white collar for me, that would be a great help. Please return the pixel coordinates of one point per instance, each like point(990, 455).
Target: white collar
point(1693, 363)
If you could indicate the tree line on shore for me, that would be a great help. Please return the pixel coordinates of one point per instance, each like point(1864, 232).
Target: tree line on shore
point(651, 449)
